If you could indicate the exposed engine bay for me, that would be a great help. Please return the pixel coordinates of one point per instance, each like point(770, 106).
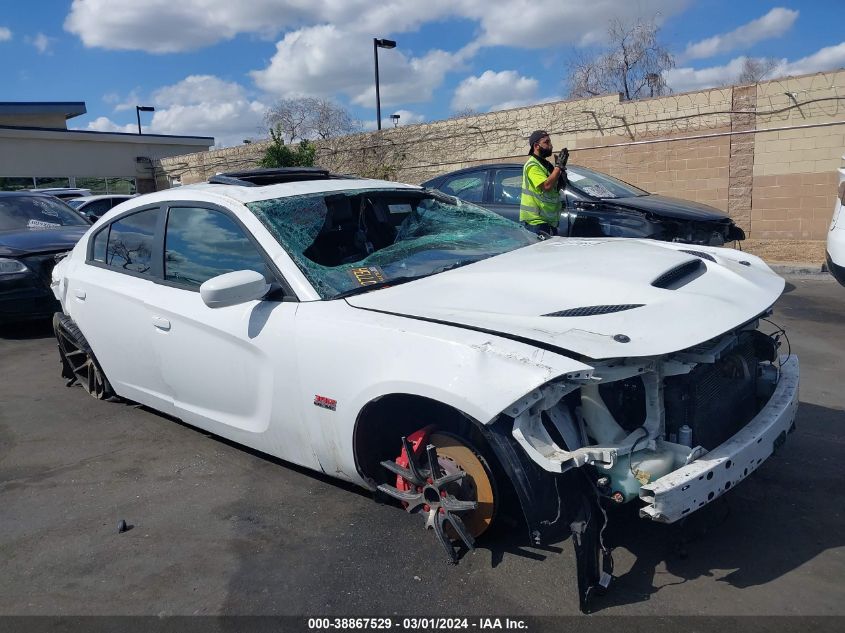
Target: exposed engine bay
point(637, 421)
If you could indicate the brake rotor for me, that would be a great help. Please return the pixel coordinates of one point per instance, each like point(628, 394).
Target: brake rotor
point(477, 485)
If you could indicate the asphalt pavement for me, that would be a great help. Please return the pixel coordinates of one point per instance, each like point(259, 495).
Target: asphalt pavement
point(215, 529)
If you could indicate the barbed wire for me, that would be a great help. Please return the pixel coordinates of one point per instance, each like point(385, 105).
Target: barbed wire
point(416, 152)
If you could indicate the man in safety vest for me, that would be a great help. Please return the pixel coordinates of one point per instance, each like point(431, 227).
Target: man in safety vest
point(540, 204)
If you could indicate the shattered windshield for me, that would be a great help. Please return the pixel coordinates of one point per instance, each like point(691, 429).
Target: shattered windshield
point(354, 241)
point(599, 185)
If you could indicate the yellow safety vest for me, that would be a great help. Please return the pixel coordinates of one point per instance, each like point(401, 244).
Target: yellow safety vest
point(535, 205)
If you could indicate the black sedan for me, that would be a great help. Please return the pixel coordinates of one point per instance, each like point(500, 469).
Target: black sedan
point(596, 205)
point(34, 230)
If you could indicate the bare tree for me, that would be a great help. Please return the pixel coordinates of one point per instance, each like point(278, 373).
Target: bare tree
point(633, 64)
point(755, 69)
point(307, 118)
point(465, 112)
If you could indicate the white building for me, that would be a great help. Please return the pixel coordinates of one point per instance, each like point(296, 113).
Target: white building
point(37, 150)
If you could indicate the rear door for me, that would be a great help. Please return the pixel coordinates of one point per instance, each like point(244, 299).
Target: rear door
point(108, 296)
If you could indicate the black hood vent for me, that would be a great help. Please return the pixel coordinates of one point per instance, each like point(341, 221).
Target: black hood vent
point(594, 310)
point(681, 275)
point(706, 256)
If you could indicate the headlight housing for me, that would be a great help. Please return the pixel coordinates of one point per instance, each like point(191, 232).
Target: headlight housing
point(11, 267)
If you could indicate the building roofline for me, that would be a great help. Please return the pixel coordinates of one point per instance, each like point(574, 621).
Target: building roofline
point(95, 133)
point(69, 109)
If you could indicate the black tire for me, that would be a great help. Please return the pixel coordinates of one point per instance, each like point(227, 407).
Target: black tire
point(79, 365)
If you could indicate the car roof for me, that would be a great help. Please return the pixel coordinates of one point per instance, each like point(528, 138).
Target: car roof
point(104, 196)
point(486, 166)
point(25, 192)
point(245, 194)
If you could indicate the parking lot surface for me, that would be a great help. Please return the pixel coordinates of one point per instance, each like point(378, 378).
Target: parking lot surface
point(216, 529)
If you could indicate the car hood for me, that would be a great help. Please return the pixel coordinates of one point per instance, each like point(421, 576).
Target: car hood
point(672, 207)
point(32, 241)
point(509, 294)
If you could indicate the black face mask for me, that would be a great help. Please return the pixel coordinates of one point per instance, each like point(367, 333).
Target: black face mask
point(545, 152)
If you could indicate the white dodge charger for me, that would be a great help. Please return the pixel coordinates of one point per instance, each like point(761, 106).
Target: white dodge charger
point(423, 347)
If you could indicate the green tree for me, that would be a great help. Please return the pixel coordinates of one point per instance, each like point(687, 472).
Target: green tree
point(280, 155)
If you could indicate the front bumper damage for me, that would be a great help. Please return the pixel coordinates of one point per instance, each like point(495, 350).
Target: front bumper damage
point(572, 450)
point(674, 496)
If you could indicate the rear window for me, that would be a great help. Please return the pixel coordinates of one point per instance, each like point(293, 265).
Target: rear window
point(34, 213)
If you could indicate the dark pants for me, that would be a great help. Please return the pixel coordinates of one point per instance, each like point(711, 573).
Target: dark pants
point(546, 230)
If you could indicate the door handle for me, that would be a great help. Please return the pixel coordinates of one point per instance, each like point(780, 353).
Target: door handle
point(80, 294)
point(161, 323)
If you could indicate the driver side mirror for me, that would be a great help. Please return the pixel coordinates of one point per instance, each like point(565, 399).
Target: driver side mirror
point(233, 288)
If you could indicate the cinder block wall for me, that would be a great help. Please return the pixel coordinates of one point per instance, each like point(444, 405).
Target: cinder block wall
point(767, 154)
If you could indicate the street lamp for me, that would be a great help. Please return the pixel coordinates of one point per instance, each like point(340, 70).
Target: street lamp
point(377, 44)
point(395, 118)
point(139, 110)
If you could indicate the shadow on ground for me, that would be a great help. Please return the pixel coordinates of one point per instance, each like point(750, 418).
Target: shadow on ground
point(42, 328)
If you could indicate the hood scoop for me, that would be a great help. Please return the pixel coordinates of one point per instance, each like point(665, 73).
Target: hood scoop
point(593, 310)
point(681, 275)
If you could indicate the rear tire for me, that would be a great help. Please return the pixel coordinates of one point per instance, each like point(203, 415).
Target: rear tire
point(79, 365)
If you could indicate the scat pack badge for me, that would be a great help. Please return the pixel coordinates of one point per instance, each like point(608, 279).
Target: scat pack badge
point(367, 275)
point(325, 403)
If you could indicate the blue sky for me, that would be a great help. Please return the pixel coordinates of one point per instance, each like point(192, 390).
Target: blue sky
point(212, 67)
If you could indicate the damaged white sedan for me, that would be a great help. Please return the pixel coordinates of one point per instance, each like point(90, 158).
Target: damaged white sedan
point(414, 344)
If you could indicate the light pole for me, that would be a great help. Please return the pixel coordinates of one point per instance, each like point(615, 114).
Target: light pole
point(139, 110)
point(377, 44)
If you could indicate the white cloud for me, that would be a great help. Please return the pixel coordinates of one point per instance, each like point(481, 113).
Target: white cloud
point(205, 105)
point(121, 104)
point(199, 105)
point(491, 88)
point(42, 43)
point(828, 58)
point(533, 24)
point(686, 79)
point(5, 34)
point(774, 24)
point(326, 60)
point(164, 26)
point(104, 124)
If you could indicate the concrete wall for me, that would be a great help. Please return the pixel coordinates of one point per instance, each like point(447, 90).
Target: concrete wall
point(767, 154)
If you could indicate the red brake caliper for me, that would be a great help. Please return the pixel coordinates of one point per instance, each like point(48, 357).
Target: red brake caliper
point(418, 440)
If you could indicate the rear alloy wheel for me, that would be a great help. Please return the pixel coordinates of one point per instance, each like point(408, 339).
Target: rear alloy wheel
point(441, 476)
point(78, 363)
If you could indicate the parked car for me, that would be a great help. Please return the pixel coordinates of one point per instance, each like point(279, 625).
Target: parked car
point(93, 207)
point(596, 205)
point(63, 193)
point(835, 252)
point(418, 345)
point(34, 230)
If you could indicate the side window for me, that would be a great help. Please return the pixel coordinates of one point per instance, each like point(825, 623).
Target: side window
point(202, 243)
point(507, 186)
point(469, 187)
point(97, 208)
point(100, 241)
point(130, 242)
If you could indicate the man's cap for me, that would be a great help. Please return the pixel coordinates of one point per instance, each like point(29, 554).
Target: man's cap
point(535, 137)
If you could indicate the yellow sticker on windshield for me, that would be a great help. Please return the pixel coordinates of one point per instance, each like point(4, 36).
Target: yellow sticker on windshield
point(367, 275)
